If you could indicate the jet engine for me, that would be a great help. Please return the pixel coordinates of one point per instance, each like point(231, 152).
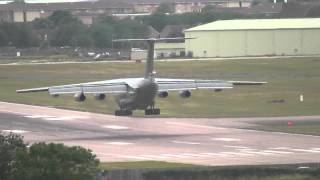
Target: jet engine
point(99, 96)
point(185, 94)
point(79, 97)
point(163, 94)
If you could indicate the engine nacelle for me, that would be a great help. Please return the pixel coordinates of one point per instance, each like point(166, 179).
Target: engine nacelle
point(99, 97)
point(185, 94)
point(79, 97)
point(163, 94)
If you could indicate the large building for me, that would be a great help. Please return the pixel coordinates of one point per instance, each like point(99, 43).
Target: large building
point(261, 37)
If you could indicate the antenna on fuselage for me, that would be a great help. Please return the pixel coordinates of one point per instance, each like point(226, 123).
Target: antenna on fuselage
point(149, 70)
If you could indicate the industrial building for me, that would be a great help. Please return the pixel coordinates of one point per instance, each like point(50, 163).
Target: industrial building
point(259, 37)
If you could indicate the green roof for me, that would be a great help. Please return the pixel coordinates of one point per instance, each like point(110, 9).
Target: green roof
point(259, 24)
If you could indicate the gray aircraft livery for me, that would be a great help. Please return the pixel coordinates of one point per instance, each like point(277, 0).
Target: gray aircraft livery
point(139, 93)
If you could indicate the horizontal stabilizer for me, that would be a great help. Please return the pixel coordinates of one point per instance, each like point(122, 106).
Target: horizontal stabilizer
point(151, 39)
point(43, 89)
point(237, 83)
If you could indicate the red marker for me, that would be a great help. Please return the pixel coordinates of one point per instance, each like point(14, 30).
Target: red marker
point(290, 123)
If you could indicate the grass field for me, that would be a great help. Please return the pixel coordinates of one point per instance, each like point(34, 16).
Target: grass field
point(155, 170)
point(288, 78)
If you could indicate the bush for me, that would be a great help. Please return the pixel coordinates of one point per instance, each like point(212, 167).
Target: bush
point(10, 145)
point(56, 161)
point(44, 161)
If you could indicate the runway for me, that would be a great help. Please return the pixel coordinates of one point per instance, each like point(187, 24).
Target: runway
point(218, 142)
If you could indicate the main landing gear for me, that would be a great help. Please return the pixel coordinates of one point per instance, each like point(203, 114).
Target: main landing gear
point(149, 111)
point(152, 111)
point(123, 112)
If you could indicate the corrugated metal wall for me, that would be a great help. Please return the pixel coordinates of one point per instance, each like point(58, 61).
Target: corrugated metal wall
point(253, 42)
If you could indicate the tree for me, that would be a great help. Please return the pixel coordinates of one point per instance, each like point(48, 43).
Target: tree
point(10, 145)
point(56, 161)
point(108, 28)
point(71, 34)
point(207, 8)
point(128, 28)
point(69, 31)
point(165, 8)
point(19, 35)
point(157, 20)
point(62, 17)
point(255, 2)
point(102, 34)
point(3, 38)
point(42, 23)
point(26, 36)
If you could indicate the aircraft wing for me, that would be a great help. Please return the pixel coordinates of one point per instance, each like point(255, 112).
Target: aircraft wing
point(191, 84)
point(109, 86)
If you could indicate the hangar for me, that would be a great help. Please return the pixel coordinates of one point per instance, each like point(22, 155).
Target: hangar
point(258, 37)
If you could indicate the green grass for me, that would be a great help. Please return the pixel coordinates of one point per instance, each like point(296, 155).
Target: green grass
point(155, 170)
point(299, 127)
point(288, 78)
point(144, 165)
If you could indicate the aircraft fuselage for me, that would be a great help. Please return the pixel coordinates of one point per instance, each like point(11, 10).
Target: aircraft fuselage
point(141, 97)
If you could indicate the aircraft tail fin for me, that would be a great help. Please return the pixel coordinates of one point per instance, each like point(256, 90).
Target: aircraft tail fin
point(150, 57)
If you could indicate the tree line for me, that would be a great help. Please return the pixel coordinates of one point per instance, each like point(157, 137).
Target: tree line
point(64, 29)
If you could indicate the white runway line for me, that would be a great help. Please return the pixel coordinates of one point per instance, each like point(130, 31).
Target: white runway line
point(237, 147)
point(135, 157)
point(118, 143)
point(259, 153)
point(55, 118)
point(216, 154)
point(173, 155)
point(277, 152)
point(58, 119)
point(103, 154)
point(17, 131)
point(194, 125)
point(312, 150)
point(237, 153)
point(305, 150)
point(280, 148)
point(38, 116)
point(226, 139)
point(193, 155)
point(115, 127)
point(186, 142)
point(153, 156)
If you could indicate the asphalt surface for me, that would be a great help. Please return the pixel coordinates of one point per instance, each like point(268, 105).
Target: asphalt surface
point(222, 141)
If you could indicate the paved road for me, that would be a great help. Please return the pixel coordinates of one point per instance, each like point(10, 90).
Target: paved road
point(188, 140)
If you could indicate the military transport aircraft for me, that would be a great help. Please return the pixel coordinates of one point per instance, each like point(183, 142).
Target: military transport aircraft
point(139, 93)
